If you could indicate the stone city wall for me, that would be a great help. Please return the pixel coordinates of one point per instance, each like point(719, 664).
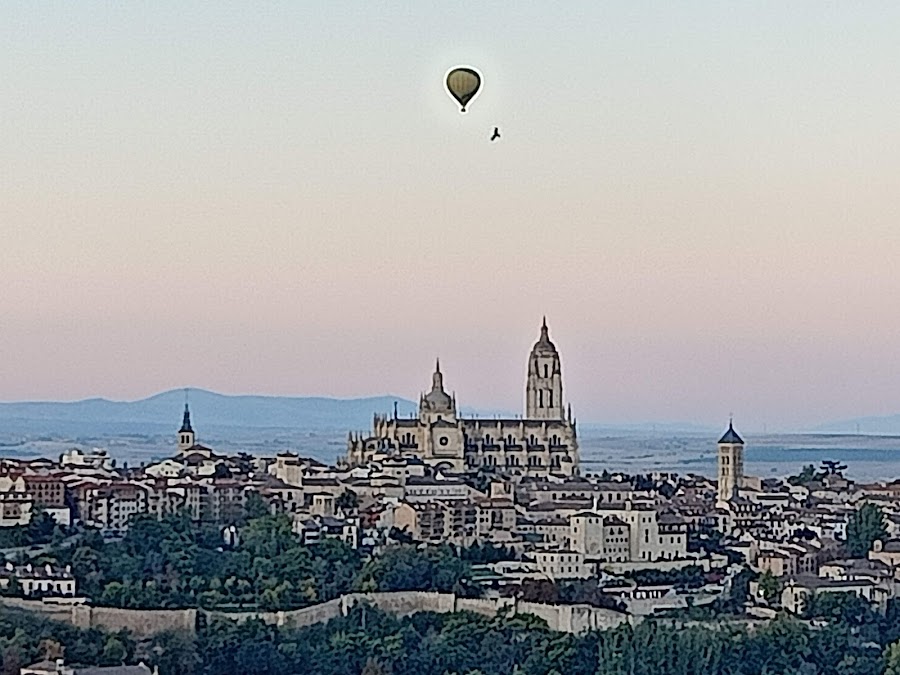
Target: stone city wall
point(140, 622)
point(564, 618)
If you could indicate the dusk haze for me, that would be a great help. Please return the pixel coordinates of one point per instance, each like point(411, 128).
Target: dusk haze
point(449, 338)
point(281, 199)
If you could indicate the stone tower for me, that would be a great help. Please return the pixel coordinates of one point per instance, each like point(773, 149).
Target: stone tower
point(543, 391)
point(186, 436)
point(731, 464)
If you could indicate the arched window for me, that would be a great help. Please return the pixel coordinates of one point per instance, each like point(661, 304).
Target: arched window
point(546, 371)
point(551, 398)
point(541, 398)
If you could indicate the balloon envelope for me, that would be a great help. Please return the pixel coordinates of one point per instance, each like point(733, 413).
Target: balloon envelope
point(463, 84)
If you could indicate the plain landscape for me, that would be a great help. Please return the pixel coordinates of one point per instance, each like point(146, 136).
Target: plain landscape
point(138, 432)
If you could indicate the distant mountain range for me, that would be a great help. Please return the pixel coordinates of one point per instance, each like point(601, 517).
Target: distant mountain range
point(162, 413)
point(226, 416)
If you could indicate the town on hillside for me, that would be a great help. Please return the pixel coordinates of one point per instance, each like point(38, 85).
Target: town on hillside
point(647, 545)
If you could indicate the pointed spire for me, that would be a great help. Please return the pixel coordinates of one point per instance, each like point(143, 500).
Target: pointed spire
point(731, 436)
point(544, 341)
point(186, 420)
point(437, 380)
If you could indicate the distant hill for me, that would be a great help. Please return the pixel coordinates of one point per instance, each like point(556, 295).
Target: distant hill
point(887, 425)
point(162, 413)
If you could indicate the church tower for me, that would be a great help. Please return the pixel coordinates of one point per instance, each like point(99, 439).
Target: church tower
point(186, 436)
point(543, 391)
point(731, 464)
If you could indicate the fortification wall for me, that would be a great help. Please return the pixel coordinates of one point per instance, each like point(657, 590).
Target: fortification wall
point(403, 603)
point(565, 618)
point(554, 615)
point(55, 612)
point(584, 618)
point(308, 616)
point(140, 622)
point(484, 606)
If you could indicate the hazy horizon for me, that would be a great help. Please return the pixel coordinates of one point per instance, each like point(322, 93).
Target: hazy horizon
point(281, 199)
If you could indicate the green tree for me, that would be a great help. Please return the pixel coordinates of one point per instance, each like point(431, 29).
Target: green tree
point(348, 501)
point(892, 659)
point(769, 586)
point(806, 475)
point(41, 527)
point(866, 525)
point(846, 608)
point(114, 651)
point(374, 667)
point(255, 506)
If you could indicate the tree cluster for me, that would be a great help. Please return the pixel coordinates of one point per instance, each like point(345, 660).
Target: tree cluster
point(174, 563)
point(851, 640)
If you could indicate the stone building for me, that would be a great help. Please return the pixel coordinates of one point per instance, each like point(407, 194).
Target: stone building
point(630, 533)
point(541, 443)
point(16, 501)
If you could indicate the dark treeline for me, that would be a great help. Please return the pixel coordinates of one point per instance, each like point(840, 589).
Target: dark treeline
point(370, 642)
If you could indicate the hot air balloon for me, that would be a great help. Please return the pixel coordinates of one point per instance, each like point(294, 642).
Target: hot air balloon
point(463, 84)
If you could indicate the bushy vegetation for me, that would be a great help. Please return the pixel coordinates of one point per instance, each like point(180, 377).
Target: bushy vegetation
point(175, 562)
point(852, 640)
point(866, 525)
point(691, 577)
point(26, 638)
point(42, 529)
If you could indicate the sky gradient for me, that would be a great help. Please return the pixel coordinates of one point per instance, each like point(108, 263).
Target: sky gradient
point(280, 198)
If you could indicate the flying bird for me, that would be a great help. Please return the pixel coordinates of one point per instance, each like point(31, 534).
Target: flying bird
point(496, 134)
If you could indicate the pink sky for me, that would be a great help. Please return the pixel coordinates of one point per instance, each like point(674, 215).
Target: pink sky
point(704, 203)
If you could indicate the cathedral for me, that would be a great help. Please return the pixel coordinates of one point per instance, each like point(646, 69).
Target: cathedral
point(542, 443)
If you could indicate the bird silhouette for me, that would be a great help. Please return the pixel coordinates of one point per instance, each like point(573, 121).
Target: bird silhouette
point(496, 134)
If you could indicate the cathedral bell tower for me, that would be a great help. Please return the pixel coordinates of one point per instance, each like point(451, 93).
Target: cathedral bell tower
point(543, 391)
point(730, 464)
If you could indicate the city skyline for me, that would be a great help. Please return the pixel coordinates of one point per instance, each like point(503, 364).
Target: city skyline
point(284, 201)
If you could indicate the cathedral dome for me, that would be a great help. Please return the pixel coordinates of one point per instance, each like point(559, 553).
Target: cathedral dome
point(438, 399)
